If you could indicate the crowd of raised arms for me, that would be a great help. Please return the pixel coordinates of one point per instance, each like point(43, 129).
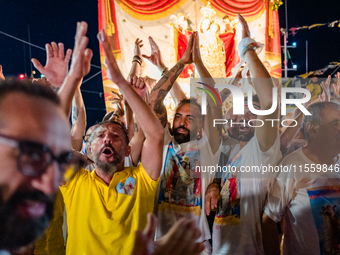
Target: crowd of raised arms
point(137, 184)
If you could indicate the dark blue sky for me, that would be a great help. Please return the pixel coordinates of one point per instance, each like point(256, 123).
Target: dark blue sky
point(56, 21)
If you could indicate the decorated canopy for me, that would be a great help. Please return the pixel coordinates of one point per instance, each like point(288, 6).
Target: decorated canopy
point(170, 23)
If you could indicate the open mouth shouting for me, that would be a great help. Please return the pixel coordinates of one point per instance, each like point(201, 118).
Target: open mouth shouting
point(107, 152)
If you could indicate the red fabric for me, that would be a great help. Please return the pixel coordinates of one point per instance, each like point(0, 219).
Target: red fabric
point(238, 6)
point(114, 40)
point(273, 45)
point(232, 189)
point(182, 45)
point(149, 6)
point(227, 6)
point(231, 55)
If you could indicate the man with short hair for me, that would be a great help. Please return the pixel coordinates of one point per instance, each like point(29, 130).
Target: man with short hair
point(105, 208)
point(242, 195)
point(181, 191)
point(34, 154)
point(308, 194)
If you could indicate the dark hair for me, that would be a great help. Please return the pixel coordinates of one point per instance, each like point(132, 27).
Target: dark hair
point(29, 89)
point(119, 124)
point(191, 100)
point(315, 118)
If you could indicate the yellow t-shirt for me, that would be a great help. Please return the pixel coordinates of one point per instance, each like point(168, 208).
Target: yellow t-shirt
point(102, 219)
point(315, 90)
point(52, 242)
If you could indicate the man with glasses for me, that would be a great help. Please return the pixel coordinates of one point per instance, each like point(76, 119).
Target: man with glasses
point(34, 154)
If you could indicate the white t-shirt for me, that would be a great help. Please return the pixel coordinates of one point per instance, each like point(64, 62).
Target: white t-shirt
point(294, 145)
point(228, 145)
point(234, 152)
point(182, 189)
point(237, 225)
point(310, 203)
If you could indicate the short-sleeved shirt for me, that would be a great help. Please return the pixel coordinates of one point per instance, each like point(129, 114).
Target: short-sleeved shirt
point(101, 218)
point(182, 186)
point(237, 224)
point(52, 242)
point(310, 203)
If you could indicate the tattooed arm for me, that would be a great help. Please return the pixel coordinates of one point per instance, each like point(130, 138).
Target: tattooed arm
point(78, 121)
point(165, 84)
point(214, 111)
point(156, 58)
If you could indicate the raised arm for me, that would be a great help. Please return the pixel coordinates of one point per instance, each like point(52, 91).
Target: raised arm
point(290, 133)
point(156, 58)
point(80, 66)
point(214, 110)
point(263, 84)
point(136, 143)
point(56, 67)
point(152, 151)
point(136, 61)
point(164, 85)
point(2, 77)
point(78, 121)
point(137, 135)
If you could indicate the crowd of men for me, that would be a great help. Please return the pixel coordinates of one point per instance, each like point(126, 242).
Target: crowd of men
point(130, 184)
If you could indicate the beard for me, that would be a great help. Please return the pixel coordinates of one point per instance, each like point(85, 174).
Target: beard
point(17, 229)
point(233, 134)
point(107, 167)
point(183, 138)
point(245, 137)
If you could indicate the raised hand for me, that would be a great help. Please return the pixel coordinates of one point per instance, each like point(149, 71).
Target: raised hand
point(156, 56)
point(187, 56)
point(2, 77)
point(138, 46)
point(113, 72)
point(244, 25)
point(336, 86)
point(80, 66)
point(56, 67)
point(180, 240)
point(325, 96)
point(81, 57)
point(196, 53)
point(139, 86)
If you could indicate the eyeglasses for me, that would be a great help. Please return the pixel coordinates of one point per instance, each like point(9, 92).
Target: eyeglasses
point(34, 158)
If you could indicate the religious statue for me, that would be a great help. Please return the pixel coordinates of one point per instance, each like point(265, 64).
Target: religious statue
point(211, 46)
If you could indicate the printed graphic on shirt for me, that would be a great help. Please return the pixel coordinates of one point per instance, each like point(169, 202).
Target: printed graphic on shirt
point(229, 211)
point(128, 187)
point(180, 184)
point(325, 205)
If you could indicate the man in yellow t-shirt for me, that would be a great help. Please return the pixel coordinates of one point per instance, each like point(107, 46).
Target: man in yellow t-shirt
point(314, 88)
point(106, 207)
point(52, 242)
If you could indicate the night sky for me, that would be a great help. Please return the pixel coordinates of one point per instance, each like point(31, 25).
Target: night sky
point(56, 21)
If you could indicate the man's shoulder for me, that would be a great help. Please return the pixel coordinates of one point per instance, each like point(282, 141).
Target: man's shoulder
point(294, 157)
point(133, 171)
point(230, 141)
